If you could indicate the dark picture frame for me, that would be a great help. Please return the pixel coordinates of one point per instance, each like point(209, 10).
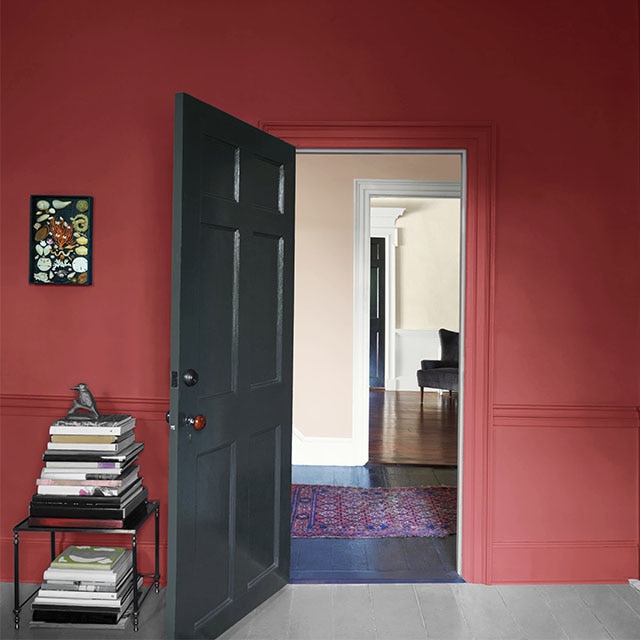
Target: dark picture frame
point(61, 240)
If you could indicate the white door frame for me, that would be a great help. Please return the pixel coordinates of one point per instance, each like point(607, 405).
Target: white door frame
point(364, 191)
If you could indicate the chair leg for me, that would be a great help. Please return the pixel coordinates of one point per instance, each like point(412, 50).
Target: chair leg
point(421, 395)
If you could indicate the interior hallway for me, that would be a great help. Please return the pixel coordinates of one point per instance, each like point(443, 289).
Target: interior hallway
point(406, 440)
point(335, 561)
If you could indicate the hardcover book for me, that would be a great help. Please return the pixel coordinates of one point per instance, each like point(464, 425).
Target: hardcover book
point(89, 456)
point(87, 591)
point(93, 600)
point(107, 420)
point(94, 479)
point(97, 439)
point(64, 616)
point(80, 614)
point(92, 488)
point(89, 428)
point(121, 443)
point(101, 520)
point(90, 501)
point(77, 571)
point(83, 464)
point(89, 557)
point(77, 476)
point(84, 511)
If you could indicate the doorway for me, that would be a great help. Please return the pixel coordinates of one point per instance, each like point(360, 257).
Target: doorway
point(478, 143)
point(416, 174)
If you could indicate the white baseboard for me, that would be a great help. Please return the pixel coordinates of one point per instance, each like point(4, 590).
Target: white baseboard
point(341, 452)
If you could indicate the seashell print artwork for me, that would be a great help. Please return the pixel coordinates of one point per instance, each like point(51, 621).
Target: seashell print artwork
point(61, 239)
point(59, 204)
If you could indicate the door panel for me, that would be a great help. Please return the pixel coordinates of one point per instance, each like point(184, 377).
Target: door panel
point(232, 322)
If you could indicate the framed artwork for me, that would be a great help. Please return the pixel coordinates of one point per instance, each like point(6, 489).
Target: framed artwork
point(60, 240)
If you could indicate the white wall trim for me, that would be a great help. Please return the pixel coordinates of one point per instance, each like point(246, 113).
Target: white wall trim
point(309, 450)
point(383, 225)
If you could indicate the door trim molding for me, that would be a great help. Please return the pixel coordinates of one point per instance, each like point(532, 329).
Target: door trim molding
point(478, 140)
point(363, 230)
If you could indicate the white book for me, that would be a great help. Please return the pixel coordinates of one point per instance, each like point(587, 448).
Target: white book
point(81, 592)
point(85, 490)
point(91, 575)
point(81, 464)
point(63, 474)
point(92, 430)
point(107, 604)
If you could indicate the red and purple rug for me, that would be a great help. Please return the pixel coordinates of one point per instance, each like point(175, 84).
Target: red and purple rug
point(320, 511)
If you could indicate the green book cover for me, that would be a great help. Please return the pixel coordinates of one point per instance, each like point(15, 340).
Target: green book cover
point(88, 557)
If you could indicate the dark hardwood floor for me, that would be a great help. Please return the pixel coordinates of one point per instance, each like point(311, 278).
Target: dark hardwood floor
point(374, 560)
point(410, 445)
point(402, 431)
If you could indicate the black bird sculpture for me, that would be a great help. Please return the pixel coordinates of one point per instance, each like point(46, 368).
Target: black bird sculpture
point(85, 404)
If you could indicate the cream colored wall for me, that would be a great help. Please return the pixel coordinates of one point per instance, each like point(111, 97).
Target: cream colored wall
point(323, 324)
point(428, 265)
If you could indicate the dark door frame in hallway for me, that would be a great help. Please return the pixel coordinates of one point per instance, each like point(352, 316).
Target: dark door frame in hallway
point(478, 141)
point(377, 315)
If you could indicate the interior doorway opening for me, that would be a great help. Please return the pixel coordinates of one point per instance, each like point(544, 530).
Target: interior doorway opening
point(353, 449)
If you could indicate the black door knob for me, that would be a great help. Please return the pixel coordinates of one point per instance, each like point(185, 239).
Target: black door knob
point(190, 377)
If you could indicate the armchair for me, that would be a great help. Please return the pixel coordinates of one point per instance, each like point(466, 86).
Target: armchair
point(443, 373)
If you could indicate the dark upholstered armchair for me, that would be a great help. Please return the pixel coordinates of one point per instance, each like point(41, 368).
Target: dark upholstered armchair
point(443, 373)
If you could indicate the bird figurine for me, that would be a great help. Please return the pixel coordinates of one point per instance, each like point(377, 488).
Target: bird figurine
point(85, 403)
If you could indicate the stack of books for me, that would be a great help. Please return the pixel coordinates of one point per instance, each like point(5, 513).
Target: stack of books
point(86, 585)
point(90, 476)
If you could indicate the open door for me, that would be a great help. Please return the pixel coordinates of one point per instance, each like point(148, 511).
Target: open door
point(231, 370)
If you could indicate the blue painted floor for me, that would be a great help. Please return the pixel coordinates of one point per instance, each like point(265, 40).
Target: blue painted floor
point(397, 560)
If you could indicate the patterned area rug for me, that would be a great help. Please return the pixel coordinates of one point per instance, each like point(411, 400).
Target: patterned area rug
point(320, 511)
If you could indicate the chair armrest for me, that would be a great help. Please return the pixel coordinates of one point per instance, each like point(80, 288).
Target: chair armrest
point(430, 364)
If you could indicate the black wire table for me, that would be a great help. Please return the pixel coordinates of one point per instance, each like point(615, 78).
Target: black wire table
point(132, 529)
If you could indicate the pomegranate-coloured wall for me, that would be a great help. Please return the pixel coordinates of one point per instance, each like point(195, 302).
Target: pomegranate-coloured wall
point(87, 107)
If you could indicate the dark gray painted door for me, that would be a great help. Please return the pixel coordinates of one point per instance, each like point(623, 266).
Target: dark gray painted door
point(231, 363)
point(377, 313)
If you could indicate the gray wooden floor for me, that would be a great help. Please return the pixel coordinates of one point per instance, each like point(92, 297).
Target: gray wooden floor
point(402, 612)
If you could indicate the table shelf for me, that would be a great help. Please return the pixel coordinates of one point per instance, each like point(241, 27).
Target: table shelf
point(132, 529)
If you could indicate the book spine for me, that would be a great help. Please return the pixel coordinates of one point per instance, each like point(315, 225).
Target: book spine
point(106, 479)
point(86, 439)
point(62, 430)
point(103, 577)
point(103, 480)
point(77, 490)
point(77, 588)
point(93, 447)
point(92, 604)
point(82, 464)
point(79, 617)
point(92, 456)
point(44, 510)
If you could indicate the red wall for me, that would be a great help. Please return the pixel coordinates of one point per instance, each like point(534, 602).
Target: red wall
point(87, 108)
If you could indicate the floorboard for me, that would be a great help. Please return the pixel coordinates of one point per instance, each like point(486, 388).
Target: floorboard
point(404, 431)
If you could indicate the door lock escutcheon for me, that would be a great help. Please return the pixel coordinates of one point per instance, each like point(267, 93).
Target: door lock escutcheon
point(190, 377)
